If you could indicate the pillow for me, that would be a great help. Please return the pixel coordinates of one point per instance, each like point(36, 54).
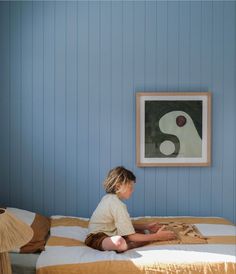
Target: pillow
point(40, 225)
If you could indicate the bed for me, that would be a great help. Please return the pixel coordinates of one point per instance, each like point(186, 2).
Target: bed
point(204, 245)
point(210, 248)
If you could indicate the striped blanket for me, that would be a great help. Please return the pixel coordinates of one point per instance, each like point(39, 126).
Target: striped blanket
point(206, 245)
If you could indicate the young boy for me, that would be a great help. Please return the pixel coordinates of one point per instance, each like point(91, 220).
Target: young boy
point(110, 227)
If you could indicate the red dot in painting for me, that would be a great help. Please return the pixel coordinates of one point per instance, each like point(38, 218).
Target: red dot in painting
point(181, 120)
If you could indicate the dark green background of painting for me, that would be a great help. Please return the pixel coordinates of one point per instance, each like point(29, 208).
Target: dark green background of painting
point(154, 110)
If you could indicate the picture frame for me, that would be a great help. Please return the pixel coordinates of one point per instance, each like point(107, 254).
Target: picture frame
point(173, 129)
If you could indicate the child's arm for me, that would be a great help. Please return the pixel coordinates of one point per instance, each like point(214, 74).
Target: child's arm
point(160, 235)
point(152, 227)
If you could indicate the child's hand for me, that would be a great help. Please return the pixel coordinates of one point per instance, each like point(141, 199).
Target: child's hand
point(153, 227)
point(165, 235)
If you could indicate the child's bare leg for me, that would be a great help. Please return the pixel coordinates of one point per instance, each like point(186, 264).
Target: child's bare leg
point(116, 243)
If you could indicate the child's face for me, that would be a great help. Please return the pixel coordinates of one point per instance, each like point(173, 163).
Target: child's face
point(126, 191)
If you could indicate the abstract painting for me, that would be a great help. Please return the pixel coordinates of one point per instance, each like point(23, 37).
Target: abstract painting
point(173, 128)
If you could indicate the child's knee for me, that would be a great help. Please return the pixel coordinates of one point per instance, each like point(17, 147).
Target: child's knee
point(120, 243)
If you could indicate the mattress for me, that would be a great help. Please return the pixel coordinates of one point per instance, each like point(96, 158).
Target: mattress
point(23, 263)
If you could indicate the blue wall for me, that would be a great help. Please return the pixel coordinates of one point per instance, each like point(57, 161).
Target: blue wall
point(69, 72)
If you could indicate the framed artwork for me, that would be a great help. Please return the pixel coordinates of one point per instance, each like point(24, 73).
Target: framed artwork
point(173, 129)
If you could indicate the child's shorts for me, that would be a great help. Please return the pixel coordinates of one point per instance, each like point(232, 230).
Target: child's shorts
point(95, 240)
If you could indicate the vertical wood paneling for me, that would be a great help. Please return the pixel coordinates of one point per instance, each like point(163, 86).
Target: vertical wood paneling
point(69, 74)
point(15, 103)
point(26, 106)
point(234, 133)
point(5, 102)
point(228, 164)
point(116, 78)
point(94, 107)
point(83, 110)
point(71, 106)
point(217, 111)
point(37, 106)
point(105, 92)
point(60, 106)
point(49, 106)
point(173, 45)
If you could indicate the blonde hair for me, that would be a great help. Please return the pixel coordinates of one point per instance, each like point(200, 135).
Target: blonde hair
point(118, 176)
